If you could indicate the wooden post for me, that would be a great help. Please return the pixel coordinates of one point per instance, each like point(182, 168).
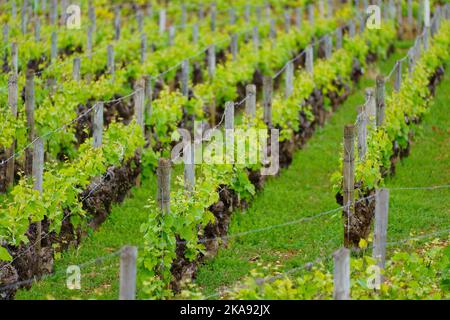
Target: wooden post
point(13, 92)
point(267, 100)
point(92, 15)
point(23, 17)
point(247, 13)
point(148, 96)
point(97, 125)
point(399, 17)
point(54, 46)
point(398, 76)
point(232, 16)
point(76, 69)
point(139, 103)
point(171, 35)
point(111, 69)
point(410, 61)
point(116, 22)
point(89, 41)
point(128, 258)
point(410, 14)
point(15, 57)
point(256, 37)
point(229, 132)
point(143, 47)
point(140, 20)
point(183, 16)
point(338, 38)
point(250, 103)
point(298, 17)
point(371, 107)
point(234, 46)
point(330, 9)
point(380, 93)
point(380, 228)
point(426, 34)
point(273, 29)
point(351, 29)
point(341, 290)
point(311, 14)
point(63, 12)
point(38, 179)
point(328, 46)
point(213, 17)
point(362, 23)
point(37, 29)
point(426, 19)
point(287, 20)
point(195, 33)
point(321, 9)
point(185, 78)
point(13, 9)
point(362, 132)
point(211, 61)
point(349, 180)
point(163, 195)
point(189, 167)
point(162, 21)
point(29, 110)
point(289, 79)
point(309, 60)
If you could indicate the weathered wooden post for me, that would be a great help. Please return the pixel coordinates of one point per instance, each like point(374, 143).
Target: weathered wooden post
point(172, 35)
point(116, 22)
point(76, 69)
point(38, 180)
point(256, 37)
point(234, 46)
point(348, 181)
point(110, 60)
point(211, 61)
point(398, 76)
point(311, 14)
point(273, 29)
point(380, 228)
point(54, 46)
point(298, 17)
point(29, 110)
point(128, 258)
point(195, 33)
point(289, 79)
point(13, 96)
point(89, 41)
point(309, 59)
point(341, 289)
point(140, 20)
point(328, 46)
point(250, 103)
point(267, 100)
point(162, 21)
point(213, 17)
point(139, 103)
point(185, 78)
point(15, 58)
point(229, 132)
point(163, 194)
point(287, 20)
point(362, 132)
point(380, 93)
point(37, 29)
point(97, 125)
point(143, 47)
point(338, 38)
point(371, 107)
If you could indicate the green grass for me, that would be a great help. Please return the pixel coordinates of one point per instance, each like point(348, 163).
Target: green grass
point(300, 191)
